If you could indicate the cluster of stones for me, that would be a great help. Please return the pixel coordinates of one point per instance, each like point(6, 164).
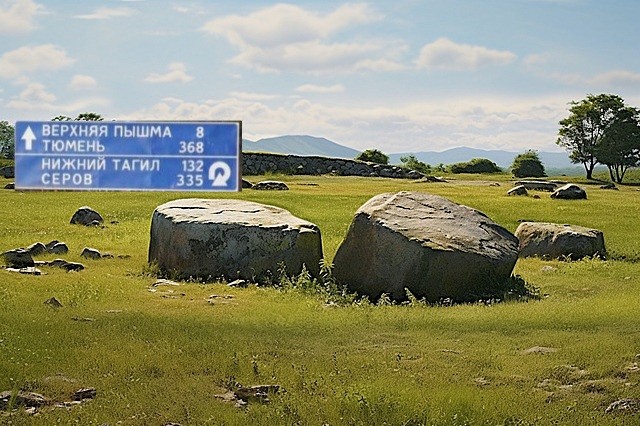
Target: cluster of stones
point(261, 163)
point(22, 259)
point(32, 401)
point(566, 192)
point(397, 243)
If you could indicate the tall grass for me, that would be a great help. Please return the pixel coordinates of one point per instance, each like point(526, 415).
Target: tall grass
point(162, 356)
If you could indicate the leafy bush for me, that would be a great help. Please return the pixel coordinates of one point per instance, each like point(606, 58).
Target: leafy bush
point(411, 162)
point(373, 156)
point(527, 165)
point(477, 165)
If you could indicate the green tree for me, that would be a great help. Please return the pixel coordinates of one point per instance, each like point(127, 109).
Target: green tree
point(89, 116)
point(411, 162)
point(84, 116)
point(7, 140)
point(584, 130)
point(373, 156)
point(620, 146)
point(476, 165)
point(527, 165)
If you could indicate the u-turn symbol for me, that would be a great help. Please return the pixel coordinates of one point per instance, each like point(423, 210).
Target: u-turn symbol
point(219, 173)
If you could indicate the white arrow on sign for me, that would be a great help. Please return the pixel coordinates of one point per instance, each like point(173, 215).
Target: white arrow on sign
point(219, 173)
point(28, 136)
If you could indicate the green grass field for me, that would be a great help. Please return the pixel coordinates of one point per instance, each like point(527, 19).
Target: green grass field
point(161, 356)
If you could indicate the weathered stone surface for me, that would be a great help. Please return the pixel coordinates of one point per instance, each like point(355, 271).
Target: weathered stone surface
point(86, 216)
point(36, 249)
point(68, 266)
point(10, 185)
point(433, 247)
point(518, 190)
point(270, 185)
point(58, 248)
point(555, 241)
point(8, 172)
point(214, 238)
point(569, 192)
point(630, 405)
point(246, 184)
point(28, 270)
point(538, 185)
point(18, 258)
point(26, 399)
point(261, 163)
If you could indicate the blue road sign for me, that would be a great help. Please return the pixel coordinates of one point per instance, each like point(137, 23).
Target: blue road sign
point(134, 156)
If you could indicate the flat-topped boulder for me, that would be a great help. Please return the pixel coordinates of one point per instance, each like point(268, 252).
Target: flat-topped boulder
point(537, 185)
point(433, 247)
point(559, 241)
point(231, 239)
point(569, 191)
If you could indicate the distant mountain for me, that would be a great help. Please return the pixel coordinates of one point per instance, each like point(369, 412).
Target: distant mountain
point(299, 145)
point(554, 162)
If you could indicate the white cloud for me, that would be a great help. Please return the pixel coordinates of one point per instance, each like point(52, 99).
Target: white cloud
point(448, 55)
point(487, 123)
point(288, 37)
point(36, 98)
point(246, 96)
point(313, 88)
point(103, 13)
point(17, 16)
point(319, 57)
point(80, 82)
point(177, 74)
point(284, 24)
point(29, 59)
point(617, 78)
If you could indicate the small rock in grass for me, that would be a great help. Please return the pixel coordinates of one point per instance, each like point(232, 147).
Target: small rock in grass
point(36, 249)
point(53, 302)
point(624, 405)
point(86, 216)
point(162, 281)
point(59, 248)
point(29, 270)
point(26, 399)
point(539, 350)
point(84, 393)
point(238, 283)
point(90, 253)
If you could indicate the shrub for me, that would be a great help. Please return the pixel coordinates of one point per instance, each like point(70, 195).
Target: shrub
point(373, 156)
point(527, 165)
point(411, 162)
point(477, 165)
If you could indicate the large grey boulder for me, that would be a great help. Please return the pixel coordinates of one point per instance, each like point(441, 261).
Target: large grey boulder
point(569, 192)
point(231, 239)
point(435, 248)
point(556, 241)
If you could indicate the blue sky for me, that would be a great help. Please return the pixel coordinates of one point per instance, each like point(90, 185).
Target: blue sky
point(401, 76)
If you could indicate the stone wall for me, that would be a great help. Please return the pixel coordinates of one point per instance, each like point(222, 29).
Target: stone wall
point(261, 163)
